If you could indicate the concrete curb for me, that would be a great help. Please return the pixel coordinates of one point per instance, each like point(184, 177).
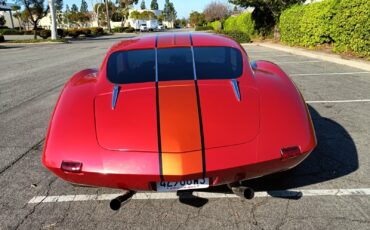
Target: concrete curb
point(318, 55)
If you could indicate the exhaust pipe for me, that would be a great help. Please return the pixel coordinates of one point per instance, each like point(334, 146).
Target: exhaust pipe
point(243, 191)
point(116, 203)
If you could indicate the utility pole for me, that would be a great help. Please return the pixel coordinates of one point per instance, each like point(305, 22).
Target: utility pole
point(107, 16)
point(53, 20)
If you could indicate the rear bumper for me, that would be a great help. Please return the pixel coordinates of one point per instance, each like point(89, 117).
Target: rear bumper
point(147, 182)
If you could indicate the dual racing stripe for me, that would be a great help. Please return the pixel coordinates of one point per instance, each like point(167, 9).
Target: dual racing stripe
point(180, 130)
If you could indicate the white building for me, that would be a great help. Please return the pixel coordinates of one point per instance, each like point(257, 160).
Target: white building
point(6, 11)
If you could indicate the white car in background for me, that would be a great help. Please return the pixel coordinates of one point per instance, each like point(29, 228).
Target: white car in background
point(160, 27)
point(143, 28)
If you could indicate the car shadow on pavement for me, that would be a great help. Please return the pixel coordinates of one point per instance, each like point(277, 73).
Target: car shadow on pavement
point(335, 156)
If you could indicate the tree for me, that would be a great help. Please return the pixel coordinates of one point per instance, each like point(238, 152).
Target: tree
point(100, 10)
point(75, 16)
point(59, 5)
point(35, 10)
point(84, 7)
point(266, 13)
point(17, 14)
point(169, 12)
point(216, 11)
point(146, 15)
point(74, 8)
point(2, 20)
point(142, 6)
point(154, 5)
point(196, 19)
point(123, 8)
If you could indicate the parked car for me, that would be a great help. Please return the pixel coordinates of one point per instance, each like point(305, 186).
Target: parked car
point(160, 27)
point(143, 28)
point(175, 112)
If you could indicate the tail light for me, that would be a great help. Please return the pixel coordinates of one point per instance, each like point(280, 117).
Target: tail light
point(290, 152)
point(70, 166)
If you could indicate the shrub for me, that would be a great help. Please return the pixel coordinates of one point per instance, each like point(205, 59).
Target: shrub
point(10, 32)
point(238, 36)
point(85, 31)
point(28, 32)
point(95, 31)
point(129, 30)
point(74, 33)
point(119, 29)
point(2, 39)
point(216, 25)
point(290, 25)
point(203, 28)
point(243, 23)
point(315, 23)
point(351, 27)
point(61, 33)
point(230, 23)
point(44, 33)
point(344, 23)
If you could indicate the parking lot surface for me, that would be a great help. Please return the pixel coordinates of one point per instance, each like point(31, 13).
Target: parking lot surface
point(329, 190)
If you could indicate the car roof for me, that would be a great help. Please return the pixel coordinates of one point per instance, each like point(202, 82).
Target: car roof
point(172, 40)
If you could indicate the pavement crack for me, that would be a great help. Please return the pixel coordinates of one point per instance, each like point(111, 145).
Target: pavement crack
point(33, 210)
point(34, 147)
point(254, 209)
point(285, 218)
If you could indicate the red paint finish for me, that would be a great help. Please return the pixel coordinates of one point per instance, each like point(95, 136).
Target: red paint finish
point(227, 121)
point(120, 148)
point(132, 124)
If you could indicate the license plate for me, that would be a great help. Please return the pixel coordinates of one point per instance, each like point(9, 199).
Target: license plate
point(166, 186)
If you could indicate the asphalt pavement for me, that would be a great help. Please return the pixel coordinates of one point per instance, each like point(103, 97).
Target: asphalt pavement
point(31, 78)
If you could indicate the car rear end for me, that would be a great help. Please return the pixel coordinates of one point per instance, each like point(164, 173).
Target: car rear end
point(179, 112)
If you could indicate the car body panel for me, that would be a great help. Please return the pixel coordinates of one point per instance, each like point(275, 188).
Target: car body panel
point(177, 130)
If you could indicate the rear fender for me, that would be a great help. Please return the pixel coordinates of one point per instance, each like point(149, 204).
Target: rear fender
point(285, 120)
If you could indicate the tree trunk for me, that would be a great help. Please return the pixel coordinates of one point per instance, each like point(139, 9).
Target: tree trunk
point(35, 31)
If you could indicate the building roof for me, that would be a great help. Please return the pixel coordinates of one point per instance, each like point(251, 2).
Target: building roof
point(5, 6)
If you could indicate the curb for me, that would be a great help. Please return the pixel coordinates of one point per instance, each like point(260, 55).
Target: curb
point(318, 55)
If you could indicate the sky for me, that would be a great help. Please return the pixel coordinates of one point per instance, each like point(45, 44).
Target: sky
point(183, 7)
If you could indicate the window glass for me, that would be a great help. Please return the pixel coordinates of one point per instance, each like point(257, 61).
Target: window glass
point(218, 62)
point(175, 64)
point(134, 66)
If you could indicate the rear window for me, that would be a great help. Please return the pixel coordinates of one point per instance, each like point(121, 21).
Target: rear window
point(138, 66)
point(135, 66)
point(175, 64)
point(218, 62)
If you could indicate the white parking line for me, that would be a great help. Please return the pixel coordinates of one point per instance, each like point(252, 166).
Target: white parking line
point(321, 74)
point(295, 62)
point(338, 101)
point(172, 195)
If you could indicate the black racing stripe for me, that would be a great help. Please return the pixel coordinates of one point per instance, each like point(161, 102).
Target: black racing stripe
point(199, 117)
point(159, 132)
point(158, 116)
point(201, 129)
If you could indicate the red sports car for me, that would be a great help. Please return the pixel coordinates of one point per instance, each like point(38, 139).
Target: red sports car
point(177, 111)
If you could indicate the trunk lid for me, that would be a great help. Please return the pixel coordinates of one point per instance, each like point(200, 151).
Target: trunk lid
point(132, 125)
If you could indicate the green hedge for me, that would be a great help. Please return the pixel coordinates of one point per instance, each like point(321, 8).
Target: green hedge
point(45, 34)
point(343, 23)
point(238, 36)
point(243, 23)
point(203, 28)
point(351, 27)
point(290, 25)
point(316, 23)
point(216, 25)
point(6, 31)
